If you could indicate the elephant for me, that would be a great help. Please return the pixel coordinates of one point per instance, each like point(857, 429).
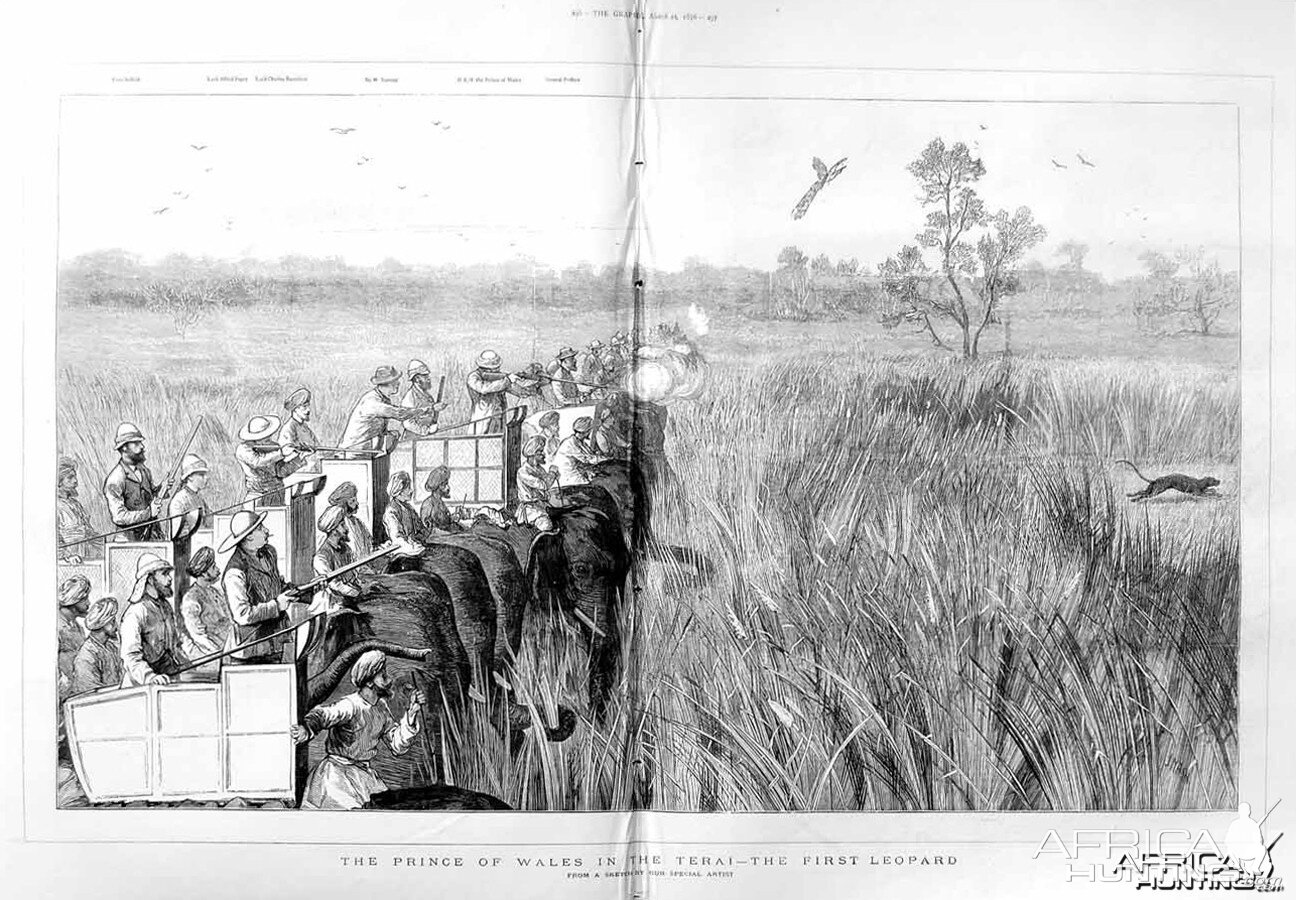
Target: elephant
point(440, 618)
point(580, 571)
point(631, 485)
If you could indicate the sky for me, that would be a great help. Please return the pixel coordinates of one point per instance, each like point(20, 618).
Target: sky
point(488, 179)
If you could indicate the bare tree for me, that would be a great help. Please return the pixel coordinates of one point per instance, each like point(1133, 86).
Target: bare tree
point(1075, 253)
point(1184, 288)
point(795, 273)
point(187, 302)
point(978, 254)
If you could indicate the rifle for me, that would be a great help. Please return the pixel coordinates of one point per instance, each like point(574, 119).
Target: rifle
point(311, 586)
point(210, 657)
point(272, 446)
point(180, 456)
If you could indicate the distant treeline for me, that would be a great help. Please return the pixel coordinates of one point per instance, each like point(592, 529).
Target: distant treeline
point(797, 287)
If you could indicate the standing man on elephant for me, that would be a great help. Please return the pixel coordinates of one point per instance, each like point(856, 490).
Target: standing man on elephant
point(265, 464)
point(420, 396)
point(488, 390)
point(376, 421)
point(134, 498)
point(257, 594)
point(75, 532)
point(562, 378)
point(296, 434)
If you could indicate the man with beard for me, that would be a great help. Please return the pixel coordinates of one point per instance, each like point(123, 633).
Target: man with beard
point(537, 487)
point(151, 647)
point(404, 527)
point(562, 378)
point(358, 536)
point(134, 499)
point(357, 724)
point(188, 510)
point(74, 603)
point(376, 421)
point(257, 595)
point(612, 424)
point(72, 520)
point(333, 554)
point(296, 435)
point(488, 390)
point(265, 465)
point(436, 517)
point(590, 372)
point(420, 396)
point(580, 451)
point(549, 424)
point(98, 663)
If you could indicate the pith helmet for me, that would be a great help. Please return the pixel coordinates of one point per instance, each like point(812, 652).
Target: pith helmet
point(126, 433)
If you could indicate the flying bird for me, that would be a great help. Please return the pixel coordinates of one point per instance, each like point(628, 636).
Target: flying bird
point(362, 160)
point(825, 175)
point(158, 212)
point(983, 128)
point(400, 187)
point(437, 122)
point(1056, 163)
point(181, 194)
point(1085, 161)
point(341, 130)
point(423, 196)
point(208, 169)
point(199, 146)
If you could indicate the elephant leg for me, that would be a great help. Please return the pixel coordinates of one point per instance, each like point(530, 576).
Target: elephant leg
point(602, 638)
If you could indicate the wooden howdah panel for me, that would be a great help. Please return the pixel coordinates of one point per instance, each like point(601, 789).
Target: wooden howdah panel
point(483, 467)
point(188, 740)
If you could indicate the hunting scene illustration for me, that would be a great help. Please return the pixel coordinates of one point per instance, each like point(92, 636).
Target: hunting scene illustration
point(891, 462)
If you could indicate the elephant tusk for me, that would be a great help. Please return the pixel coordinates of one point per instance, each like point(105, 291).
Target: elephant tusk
point(588, 622)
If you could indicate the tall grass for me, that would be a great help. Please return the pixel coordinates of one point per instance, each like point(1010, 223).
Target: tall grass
point(930, 591)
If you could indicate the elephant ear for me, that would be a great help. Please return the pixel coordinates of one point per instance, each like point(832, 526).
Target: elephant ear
point(546, 570)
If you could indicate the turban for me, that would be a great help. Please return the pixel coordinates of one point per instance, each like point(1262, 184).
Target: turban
point(66, 467)
point(583, 425)
point(533, 446)
point(367, 667)
point(437, 477)
point(74, 590)
point(342, 493)
point(331, 519)
point(201, 561)
point(397, 483)
point(102, 611)
point(549, 418)
point(299, 397)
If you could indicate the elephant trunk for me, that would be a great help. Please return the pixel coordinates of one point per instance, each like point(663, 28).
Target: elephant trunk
point(324, 683)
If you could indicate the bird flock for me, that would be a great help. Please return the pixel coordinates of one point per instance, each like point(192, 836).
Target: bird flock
point(179, 196)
